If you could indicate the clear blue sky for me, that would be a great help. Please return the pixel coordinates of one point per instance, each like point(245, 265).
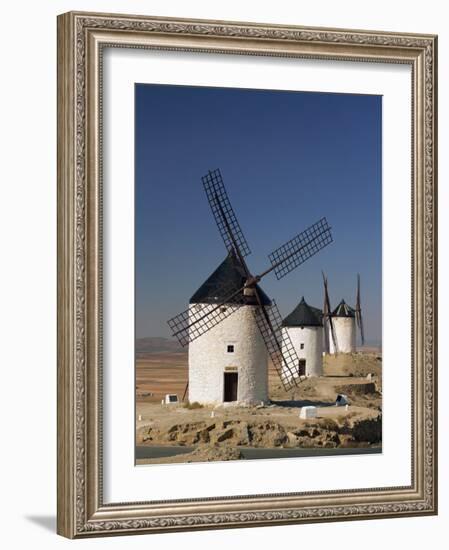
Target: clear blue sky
point(287, 159)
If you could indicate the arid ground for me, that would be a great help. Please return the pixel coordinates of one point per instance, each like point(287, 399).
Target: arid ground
point(219, 433)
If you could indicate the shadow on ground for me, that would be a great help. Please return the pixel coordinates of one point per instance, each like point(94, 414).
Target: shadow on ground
point(46, 522)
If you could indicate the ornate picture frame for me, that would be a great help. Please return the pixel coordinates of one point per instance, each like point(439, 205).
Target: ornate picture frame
point(82, 38)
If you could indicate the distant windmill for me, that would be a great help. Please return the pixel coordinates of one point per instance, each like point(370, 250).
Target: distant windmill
point(343, 322)
point(228, 356)
point(304, 326)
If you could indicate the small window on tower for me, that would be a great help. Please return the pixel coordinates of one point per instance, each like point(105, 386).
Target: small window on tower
point(230, 348)
point(301, 346)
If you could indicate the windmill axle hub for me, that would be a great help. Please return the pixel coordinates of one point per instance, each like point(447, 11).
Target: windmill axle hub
point(249, 291)
point(251, 282)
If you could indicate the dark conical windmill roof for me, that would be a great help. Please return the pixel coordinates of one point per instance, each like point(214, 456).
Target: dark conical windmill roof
point(304, 316)
point(229, 277)
point(343, 310)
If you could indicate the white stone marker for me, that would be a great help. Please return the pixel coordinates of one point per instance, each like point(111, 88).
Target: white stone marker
point(171, 399)
point(308, 412)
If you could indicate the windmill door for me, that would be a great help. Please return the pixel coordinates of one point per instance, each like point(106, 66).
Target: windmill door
point(230, 386)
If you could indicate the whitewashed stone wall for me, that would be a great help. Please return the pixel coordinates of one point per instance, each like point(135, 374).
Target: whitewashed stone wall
point(312, 352)
point(345, 333)
point(208, 358)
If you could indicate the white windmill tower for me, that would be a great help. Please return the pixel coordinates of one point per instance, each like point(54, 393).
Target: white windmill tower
point(231, 326)
point(304, 326)
point(342, 323)
point(343, 318)
point(229, 362)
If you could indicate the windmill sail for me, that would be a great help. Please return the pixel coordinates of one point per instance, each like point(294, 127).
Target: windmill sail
point(327, 318)
point(223, 213)
point(326, 313)
point(199, 318)
point(358, 312)
point(299, 249)
point(279, 346)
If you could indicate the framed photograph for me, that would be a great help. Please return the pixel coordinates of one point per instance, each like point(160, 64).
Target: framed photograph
point(247, 248)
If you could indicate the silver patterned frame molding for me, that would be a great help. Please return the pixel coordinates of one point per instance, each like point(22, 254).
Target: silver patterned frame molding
point(81, 38)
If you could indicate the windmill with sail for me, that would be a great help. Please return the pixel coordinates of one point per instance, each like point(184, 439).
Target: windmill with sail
point(342, 323)
point(231, 326)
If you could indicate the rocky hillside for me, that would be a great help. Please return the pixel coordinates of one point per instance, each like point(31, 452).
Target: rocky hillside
point(347, 430)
